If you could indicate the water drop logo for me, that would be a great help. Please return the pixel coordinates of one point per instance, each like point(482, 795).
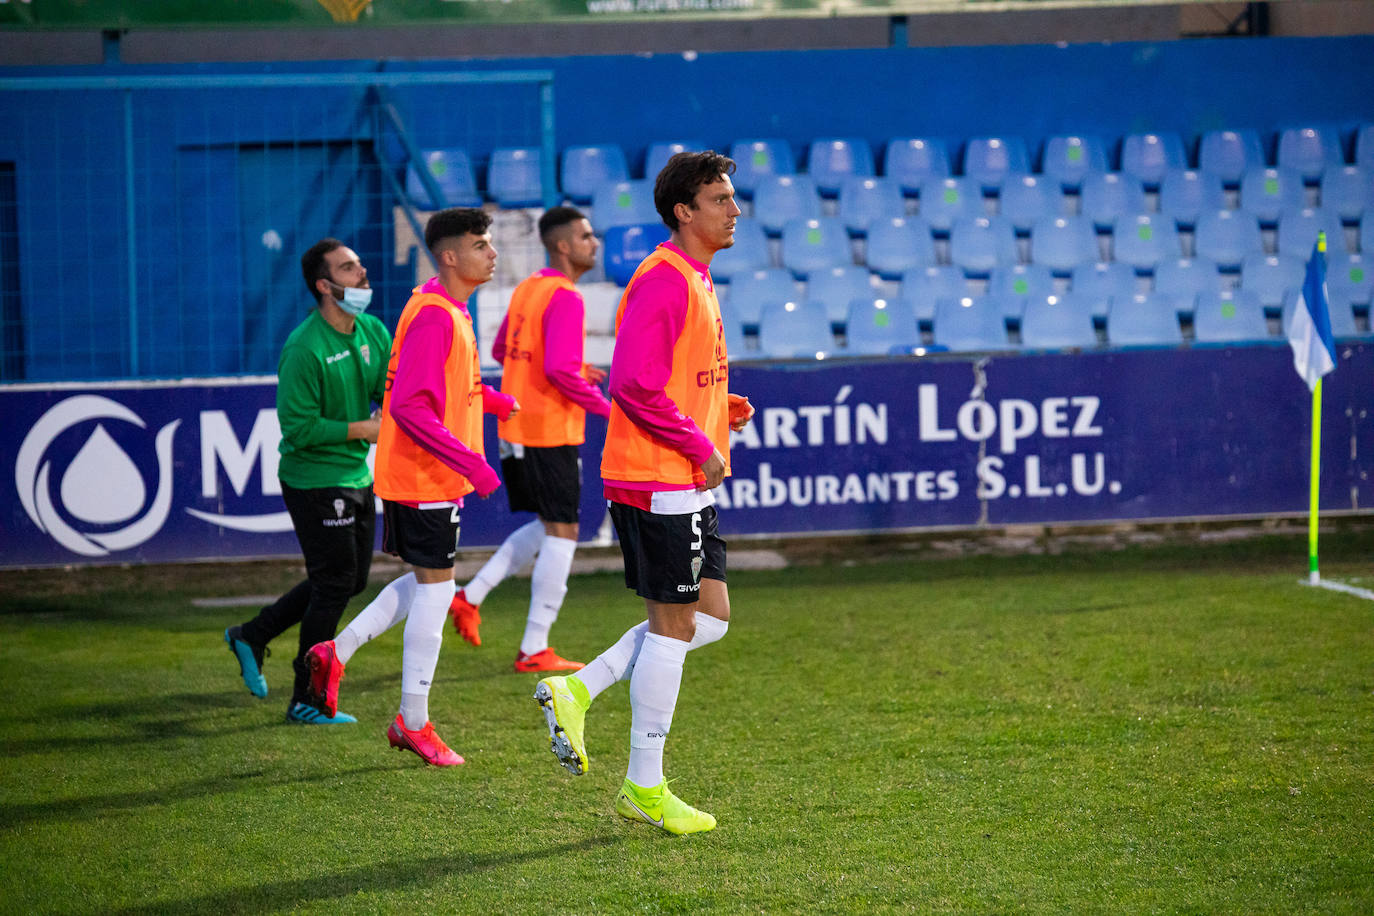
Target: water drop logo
point(101, 486)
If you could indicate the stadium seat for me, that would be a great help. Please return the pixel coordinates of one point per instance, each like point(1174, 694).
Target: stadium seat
point(896, 246)
point(1231, 316)
point(736, 344)
point(757, 158)
point(623, 203)
point(809, 245)
point(863, 200)
point(1067, 159)
point(514, 177)
point(1339, 308)
point(1145, 239)
point(1225, 237)
point(877, 327)
point(969, 323)
point(944, 200)
point(1351, 274)
point(1149, 156)
point(1143, 319)
point(1268, 192)
point(750, 251)
point(989, 160)
point(912, 161)
point(1183, 279)
point(1229, 154)
point(1309, 150)
point(626, 246)
point(587, 168)
point(451, 170)
point(978, 245)
point(1271, 276)
point(794, 330)
point(830, 161)
point(1026, 198)
point(750, 289)
point(1011, 286)
point(836, 287)
point(661, 151)
point(1108, 196)
point(1298, 232)
point(1348, 190)
point(779, 199)
point(1061, 243)
point(1101, 282)
point(1364, 147)
point(1366, 235)
point(1184, 194)
point(923, 286)
point(1053, 322)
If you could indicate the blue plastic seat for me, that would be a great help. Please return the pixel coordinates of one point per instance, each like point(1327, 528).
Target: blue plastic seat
point(736, 343)
point(1148, 156)
point(912, 161)
point(1309, 150)
point(1298, 231)
point(778, 199)
point(969, 323)
point(1225, 237)
point(831, 160)
point(1184, 194)
point(451, 170)
point(1348, 190)
point(877, 327)
point(661, 151)
point(896, 246)
point(1108, 196)
point(1366, 236)
point(1103, 281)
point(944, 200)
point(922, 287)
point(1145, 239)
point(1068, 159)
point(1339, 308)
point(1144, 319)
point(810, 245)
point(863, 200)
point(1268, 192)
point(626, 246)
point(1229, 316)
point(1271, 276)
point(750, 251)
point(795, 330)
point(750, 289)
point(979, 245)
point(989, 160)
point(1011, 286)
point(586, 168)
point(836, 287)
point(1026, 198)
point(1183, 279)
point(756, 158)
point(623, 203)
point(1061, 243)
point(1229, 154)
point(514, 177)
point(1351, 274)
point(1364, 147)
point(1054, 322)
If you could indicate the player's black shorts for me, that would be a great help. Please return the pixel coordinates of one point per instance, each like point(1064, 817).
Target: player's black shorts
point(667, 556)
point(545, 481)
point(427, 538)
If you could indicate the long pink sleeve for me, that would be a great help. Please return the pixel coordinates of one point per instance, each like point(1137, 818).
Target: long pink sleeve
point(643, 360)
point(564, 328)
point(417, 398)
point(498, 344)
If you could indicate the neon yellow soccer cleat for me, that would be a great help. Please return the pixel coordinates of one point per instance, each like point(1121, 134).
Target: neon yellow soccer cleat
point(660, 807)
point(565, 713)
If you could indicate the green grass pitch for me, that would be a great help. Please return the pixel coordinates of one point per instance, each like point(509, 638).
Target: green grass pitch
point(1168, 729)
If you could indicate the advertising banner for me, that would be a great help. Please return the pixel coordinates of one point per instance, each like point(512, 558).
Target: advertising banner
point(181, 471)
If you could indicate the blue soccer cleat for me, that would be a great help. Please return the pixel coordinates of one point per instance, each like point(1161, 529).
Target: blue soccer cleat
point(305, 714)
point(250, 660)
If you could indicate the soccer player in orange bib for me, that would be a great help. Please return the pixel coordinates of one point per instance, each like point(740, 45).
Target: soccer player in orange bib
point(667, 448)
point(429, 456)
point(539, 346)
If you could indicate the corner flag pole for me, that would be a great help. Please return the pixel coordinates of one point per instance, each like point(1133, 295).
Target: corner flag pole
point(1313, 576)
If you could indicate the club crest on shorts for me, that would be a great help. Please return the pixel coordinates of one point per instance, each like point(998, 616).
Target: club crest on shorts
point(696, 568)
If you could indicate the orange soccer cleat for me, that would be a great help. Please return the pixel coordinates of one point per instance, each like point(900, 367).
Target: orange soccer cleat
point(544, 660)
point(425, 743)
point(466, 620)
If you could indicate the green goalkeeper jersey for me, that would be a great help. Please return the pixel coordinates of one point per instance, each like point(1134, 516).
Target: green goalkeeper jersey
point(326, 380)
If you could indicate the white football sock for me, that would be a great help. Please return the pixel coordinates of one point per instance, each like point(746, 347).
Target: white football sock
point(420, 653)
point(618, 662)
point(386, 610)
point(548, 587)
point(653, 696)
point(515, 551)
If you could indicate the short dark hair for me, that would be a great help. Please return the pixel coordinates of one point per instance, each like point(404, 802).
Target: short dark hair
point(683, 177)
point(454, 222)
point(314, 267)
point(557, 218)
